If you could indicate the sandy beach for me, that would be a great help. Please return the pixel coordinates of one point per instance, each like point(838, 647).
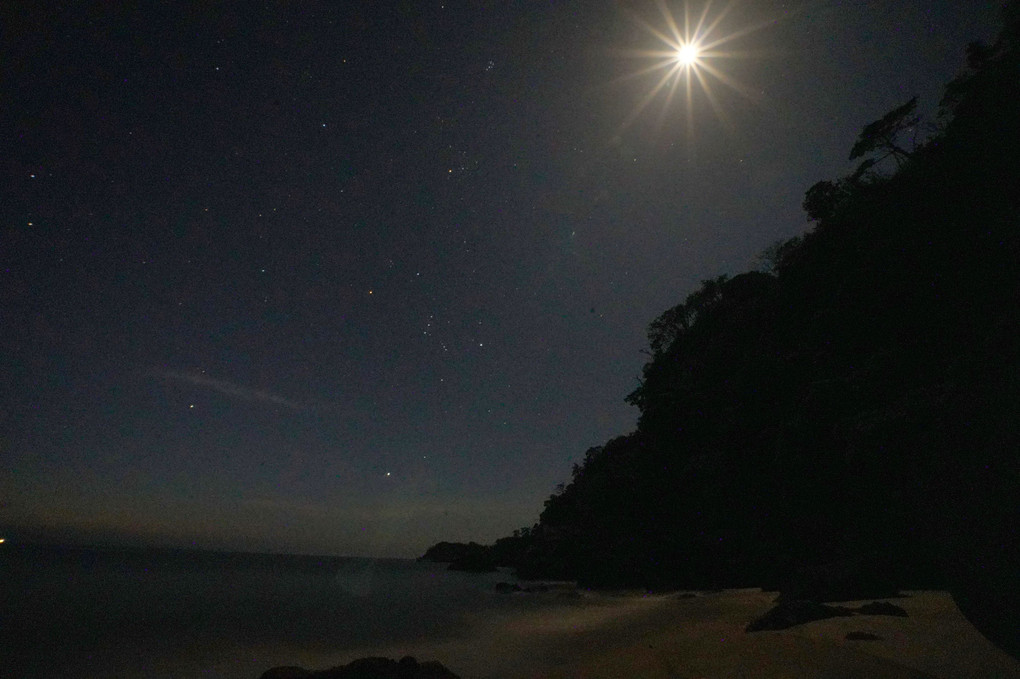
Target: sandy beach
point(683, 637)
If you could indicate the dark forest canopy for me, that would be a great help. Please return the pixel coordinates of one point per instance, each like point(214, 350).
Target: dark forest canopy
point(855, 405)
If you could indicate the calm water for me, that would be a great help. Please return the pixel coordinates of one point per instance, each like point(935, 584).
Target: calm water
point(126, 614)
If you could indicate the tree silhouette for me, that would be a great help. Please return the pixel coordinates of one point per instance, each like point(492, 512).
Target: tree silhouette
point(856, 406)
point(822, 199)
point(881, 135)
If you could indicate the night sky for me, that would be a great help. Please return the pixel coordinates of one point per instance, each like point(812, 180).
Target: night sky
point(352, 277)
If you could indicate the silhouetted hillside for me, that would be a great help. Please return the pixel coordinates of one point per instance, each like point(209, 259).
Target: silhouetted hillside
point(847, 422)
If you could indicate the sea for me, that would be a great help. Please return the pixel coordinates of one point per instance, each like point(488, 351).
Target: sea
point(154, 613)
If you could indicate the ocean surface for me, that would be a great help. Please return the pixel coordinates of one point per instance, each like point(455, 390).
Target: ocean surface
point(91, 614)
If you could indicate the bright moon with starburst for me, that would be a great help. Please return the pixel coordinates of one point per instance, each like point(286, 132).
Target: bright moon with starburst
point(688, 60)
point(687, 55)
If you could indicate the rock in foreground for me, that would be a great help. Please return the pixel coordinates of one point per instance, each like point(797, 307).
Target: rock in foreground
point(881, 608)
point(368, 668)
point(790, 613)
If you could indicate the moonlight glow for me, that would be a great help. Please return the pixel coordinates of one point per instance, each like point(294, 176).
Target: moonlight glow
point(687, 54)
point(687, 59)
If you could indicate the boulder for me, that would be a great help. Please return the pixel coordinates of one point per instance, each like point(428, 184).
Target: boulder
point(790, 613)
point(862, 636)
point(881, 608)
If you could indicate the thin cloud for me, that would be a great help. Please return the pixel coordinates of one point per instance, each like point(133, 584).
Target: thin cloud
point(234, 390)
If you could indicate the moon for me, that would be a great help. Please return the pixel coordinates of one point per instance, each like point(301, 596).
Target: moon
point(687, 55)
point(688, 59)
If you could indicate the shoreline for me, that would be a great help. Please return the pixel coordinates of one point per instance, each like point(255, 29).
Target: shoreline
point(672, 636)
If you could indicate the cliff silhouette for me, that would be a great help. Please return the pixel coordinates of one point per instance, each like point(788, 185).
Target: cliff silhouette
point(844, 423)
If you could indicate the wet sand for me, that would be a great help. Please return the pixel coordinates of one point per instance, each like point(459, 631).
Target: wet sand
point(674, 637)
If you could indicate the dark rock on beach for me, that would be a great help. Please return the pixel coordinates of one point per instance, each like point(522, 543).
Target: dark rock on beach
point(862, 636)
point(790, 613)
point(881, 608)
point(507, 587)
point(368, 668)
